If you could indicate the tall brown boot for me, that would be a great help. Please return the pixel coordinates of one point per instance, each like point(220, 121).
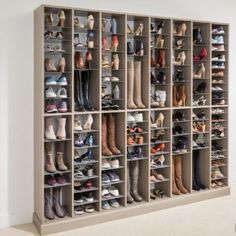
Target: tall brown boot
point(174, 97)
point(161, 58)
point(137, 85)
point(178, 174)
point(175, 190)
point(111, 136)
point(105, 150)
point(50, 166)
point(130, 92)
point(153, 61)
point(182, 95)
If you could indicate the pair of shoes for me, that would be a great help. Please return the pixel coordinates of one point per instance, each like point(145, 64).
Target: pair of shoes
point(53, 35)
point(112, 163)
point(158, 161)
point(177, 130)
point(139, 48)
point(199, 116)
point(159, 98)
point(61, 93)
point(216, 146)
point(61, 129)
point(89, 23)
point(55, 19)
point(179, 76)
point(199, 127)
point(110, 79)
point(109, 176)
point(216, 88)
point(87, 124)
point(52, 106)
point(159, 79)
point(135, 139)
point(218, 48)
point(114, 43)
point(115, 93)
point(84, 158)
point(157, 135)
point(138, 31)
point(50, 66)
point(106, 205)
point(179, 116)
point(89, 41)
point(180, 60)
point(79, 61)
point(179, 96)
point(218, 65)
point(200, 101)
point(158, 148)
point(157, 193)
point(53, 48)
point(219, 30)
point(156, 177)
point(53, 207)
point(219, 39)
point(55, 180)
point(109, 25)
point(200, 141)
point(110, 192)
point(180, 145)
point(49, 80)
point(136, 153)
point(83, 140)
point(88, 208)
point(197, 36)
point(218, 58)
point(216, 173)
point(157, 27)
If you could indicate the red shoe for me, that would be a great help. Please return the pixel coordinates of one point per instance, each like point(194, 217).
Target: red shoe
point(203, 54)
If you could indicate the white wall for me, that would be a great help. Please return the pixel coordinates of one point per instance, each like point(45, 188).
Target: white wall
point(16, 86)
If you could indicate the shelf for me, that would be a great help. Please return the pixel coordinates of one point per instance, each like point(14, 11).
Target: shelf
point(84, 178)
point(86, 147)
point(85, 203)
point(56, 140)
point(160, 167)
point(112, 183)
point(56, 185)
point(112, 197)
point(92, 189)
point(57, 172)
point(86, 131)
point(112, 168)
point(137, 159)
point(160, 181)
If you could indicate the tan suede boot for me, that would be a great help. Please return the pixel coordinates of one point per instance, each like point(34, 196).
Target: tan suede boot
point(161, 58)
point(105, 150)
point(175, 190)
point(50, 166)
point(174, 97)
point(111, 126)
point(178, 175)
point(60, 162)
point(130, 92)
point(137, 85)
point(61, 130)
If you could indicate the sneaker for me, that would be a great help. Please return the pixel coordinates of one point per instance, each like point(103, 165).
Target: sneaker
point(221, 65)
point(220, 39)
point(105, 178)
point(106, 205)
point(88, 197)
point(89, 208)
point(114, 163)
point(62, 107)
point(50, 81)
point(106, 79)
point(114, 191)
point(61, 81)
point(114, 203)
point(105, 193)
point(79, 210)
point(130, 118)
point(113, 176)
point(49, 93)
point(115, 79)
point(62, 93)
point(51, 107)
point(138, 117)
point(78, 198)
point(105, 164)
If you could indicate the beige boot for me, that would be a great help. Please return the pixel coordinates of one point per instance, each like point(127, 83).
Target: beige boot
point(62, 64)
point(137, 85)
point(178, 174)
point(49, 65)
point(60, 162)
point(50, 166)
point(61, 130)
point(105, 150)
point(111, 136)
point(49, 132)
point(115, 62)
point(175, 190)
point(62, 18)
point(159, 41)
point(90, 22)
point(88, 122)
point(130, 95)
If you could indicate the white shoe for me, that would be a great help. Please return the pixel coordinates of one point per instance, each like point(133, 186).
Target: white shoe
point(106, 79)
point(161, 97)
point(114, 163)
point(130, 118)
point(89, 122)
point(114, 191)
point(49, 93)
point(115, 79)
point(62, 93)
point(105, 164)
point(138, 117)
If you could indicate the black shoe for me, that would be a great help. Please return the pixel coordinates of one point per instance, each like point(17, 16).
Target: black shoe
point(161, 77)
point(200, 88)
point(130, 50)
point(178, 130)
point(178, 116)
point(197, 36)
point(179, 76)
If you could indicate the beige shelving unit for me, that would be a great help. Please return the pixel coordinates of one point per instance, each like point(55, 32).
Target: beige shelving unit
point(149, 70)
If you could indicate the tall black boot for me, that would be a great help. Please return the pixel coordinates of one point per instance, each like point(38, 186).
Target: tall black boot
point(195, 186)
point(197, 170)
point(86, 90)
point(78, 91)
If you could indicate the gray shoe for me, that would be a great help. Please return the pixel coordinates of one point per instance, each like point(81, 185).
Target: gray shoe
point(49, 213)
point(129, 197)
point(59, 210)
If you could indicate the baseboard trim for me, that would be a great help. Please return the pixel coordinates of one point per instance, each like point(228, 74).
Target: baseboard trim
point(132, 210)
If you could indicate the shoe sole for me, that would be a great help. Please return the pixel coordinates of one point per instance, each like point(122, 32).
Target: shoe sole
point(62, 83)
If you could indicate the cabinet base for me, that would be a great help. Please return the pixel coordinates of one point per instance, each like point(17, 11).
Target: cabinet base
point(56, 226)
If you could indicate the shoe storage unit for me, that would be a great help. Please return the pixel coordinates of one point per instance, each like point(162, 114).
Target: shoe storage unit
point(131, 115)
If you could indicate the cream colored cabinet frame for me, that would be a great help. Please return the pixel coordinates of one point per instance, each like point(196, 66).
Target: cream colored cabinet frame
point(72, 221)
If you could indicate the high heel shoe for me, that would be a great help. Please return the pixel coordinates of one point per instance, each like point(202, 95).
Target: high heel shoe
point(197, 36)
point(113, 26)
point(115, 62)
point(62, 18)
point(49, 19)
point(130, 140)
point(160, 27)
point(88, 122)
point(90, 22)
point(181, 29)
point(88, 60)
point(159, 41)
point(105, 46)
point(200, 102)
point(160, 120)
point(153, 60)
point(180, 58)
point(62, 64)
point(90, 40)
point(139, 30)
point(105, 62)
point(114, 44)
point(158, 148)
point(201, 72)
point(200, 88)
point(79, 63)
point(49, 65)
point(139, 48)
point(129, 30)
point(160, 160)
point(203, 54)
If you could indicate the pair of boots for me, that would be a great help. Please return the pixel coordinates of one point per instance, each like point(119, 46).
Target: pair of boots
point(134, 85)
point(50, 165)
point(177, 182)
point(79, 61)
point(197, 184)
point(108, 135)
point(61, 130)
point(54, 208)
point(132, 182)
point(50, 66)
point(179, 96)
point(82, 91)
point(160, 61)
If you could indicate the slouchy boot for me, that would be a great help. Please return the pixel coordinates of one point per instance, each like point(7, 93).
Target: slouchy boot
point(137, 85)
point(130, 102)
point(61, 130)
point(178, 174)
point(129, 197)
point(105, 150)
point(50, 166)
point(111, 136)
point(59, 210)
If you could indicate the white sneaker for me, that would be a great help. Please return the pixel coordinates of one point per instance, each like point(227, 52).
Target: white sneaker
point(49, 93)
point(114, 162)
point(106, 79)
point(138, 117)
point(105, 193)
point(105, 164)
point(115, 79)
point(130, 118)
point(113, 191)
point(62, 93)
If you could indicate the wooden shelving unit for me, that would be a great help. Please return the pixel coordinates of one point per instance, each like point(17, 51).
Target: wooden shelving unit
point(164, 75)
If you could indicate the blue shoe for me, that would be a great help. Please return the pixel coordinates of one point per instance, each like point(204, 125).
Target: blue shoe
point(50, 81)
point(62, 80)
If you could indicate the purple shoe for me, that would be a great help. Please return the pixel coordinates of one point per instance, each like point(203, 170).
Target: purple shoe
point(51, 181)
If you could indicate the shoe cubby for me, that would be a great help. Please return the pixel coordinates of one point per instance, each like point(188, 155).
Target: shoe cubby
point(160, 51)
point(219, 66)
point(130, 110)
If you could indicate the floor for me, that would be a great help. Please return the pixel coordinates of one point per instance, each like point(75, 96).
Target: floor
point(212, 217)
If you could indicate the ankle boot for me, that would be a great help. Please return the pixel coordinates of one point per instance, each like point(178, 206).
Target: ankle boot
point(178, 174)
point(130, 50)
point(111, 136)
point(59, 210)
point(139, 48)
point(105, 150)
point(79, 106)
point(60, 162)
point(134, 181)
point(62, 18)
point(114, 43)
point(130, 102)
point(49, 65)
point(62, 64)
point(196, 161)
point(49, 132)
point(175, 190)
point(161, 58)
point(115, 62)
point(61, 130)
point(88, 122)
point(137, 85)
point(105, 46)
point(79, 63)
point(174, 97)
point(90, 22)
point(182, 95)
point(77, 124)
point(49, 213)
point(50, 166)
point(86, 90)
point(129, 197)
